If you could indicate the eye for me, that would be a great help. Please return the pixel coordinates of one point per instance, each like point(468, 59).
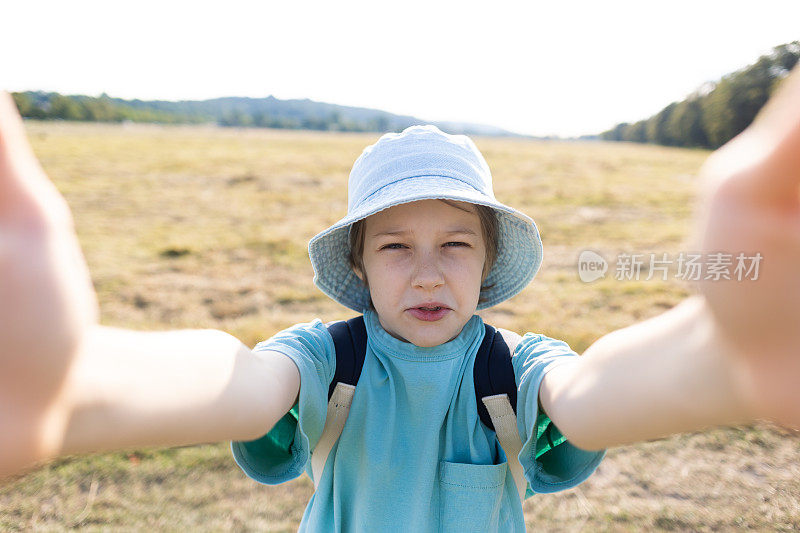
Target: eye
point(457, 244)
point(392, 246)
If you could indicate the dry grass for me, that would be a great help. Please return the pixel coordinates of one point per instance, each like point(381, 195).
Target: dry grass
point(203, 227)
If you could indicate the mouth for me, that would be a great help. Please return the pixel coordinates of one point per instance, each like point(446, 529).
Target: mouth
point(429, 312)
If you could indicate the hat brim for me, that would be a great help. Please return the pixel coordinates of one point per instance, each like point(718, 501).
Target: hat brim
point(519, 247)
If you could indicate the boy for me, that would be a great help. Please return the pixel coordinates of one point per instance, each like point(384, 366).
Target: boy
point(727, 356)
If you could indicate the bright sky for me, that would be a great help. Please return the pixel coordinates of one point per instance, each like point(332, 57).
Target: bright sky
point(564, 68)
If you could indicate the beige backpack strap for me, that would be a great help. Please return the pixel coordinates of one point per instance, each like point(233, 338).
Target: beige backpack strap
point(505, 426)
point(338, 409)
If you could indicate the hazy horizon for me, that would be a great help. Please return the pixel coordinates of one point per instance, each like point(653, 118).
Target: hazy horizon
point(564, 70)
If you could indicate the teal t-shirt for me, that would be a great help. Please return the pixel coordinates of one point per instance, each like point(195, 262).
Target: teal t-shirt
point(414, 455)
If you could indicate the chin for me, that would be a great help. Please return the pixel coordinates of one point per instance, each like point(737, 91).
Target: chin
point(423, 335)
point(427, 344)
point(429, 341)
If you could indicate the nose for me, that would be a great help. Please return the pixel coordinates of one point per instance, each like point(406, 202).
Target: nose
point(427, 271)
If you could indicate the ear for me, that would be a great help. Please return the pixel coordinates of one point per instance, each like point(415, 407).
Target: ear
point(485, 271)
point(360, 275)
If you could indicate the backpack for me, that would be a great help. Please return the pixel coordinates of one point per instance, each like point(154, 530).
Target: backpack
point(495, 393)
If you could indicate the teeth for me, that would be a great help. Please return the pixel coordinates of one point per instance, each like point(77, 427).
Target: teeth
point(430, 308)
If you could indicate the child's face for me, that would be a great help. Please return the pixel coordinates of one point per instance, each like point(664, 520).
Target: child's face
point(424, 263)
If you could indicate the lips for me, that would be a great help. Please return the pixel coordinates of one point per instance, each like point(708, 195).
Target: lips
point(429, 312)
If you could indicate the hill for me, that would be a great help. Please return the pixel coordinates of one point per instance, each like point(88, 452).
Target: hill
point(269, 112)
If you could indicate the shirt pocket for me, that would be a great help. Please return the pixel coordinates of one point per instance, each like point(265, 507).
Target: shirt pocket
point(470, 496)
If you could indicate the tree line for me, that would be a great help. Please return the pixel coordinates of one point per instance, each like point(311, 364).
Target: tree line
point(716, 112)
point(267, 112)
point(54, 106)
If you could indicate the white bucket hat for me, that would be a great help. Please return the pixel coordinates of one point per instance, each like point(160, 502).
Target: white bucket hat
point(424, 163)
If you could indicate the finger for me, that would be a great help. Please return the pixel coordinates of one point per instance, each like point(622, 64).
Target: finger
point(780, 116)
point(14, 146)
point(23, 183)
point(765, 159)
point(779, 124)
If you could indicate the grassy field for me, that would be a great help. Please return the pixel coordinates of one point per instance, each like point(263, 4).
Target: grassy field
point(206, 227)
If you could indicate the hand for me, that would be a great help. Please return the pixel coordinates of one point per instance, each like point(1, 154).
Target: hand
point(752, 205)
point(47, 302)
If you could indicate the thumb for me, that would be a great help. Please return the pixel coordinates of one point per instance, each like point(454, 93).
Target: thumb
point(780, 116)
point(23, 183)
point(763, 162)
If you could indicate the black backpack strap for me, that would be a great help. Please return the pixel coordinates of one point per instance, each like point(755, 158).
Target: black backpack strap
point(350, 342)
point(493, 373)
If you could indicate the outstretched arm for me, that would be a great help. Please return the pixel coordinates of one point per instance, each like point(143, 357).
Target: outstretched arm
point(133, 388)
point(68, 385)
point(730, 354)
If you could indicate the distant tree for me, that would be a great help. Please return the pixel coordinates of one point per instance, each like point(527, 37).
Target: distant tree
point(236, 118)
point(716, 112)
point(383, 123)
point(101, 109)
point(750, 91)
point(260, 119)
point(614, 134)
point(635, 132)
point(656, 130)
point(24, 103)
point(35, 107)
point(314, 123)
point(66, 108)
point(719, 114)
point(685, 125)
point(334, 121)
